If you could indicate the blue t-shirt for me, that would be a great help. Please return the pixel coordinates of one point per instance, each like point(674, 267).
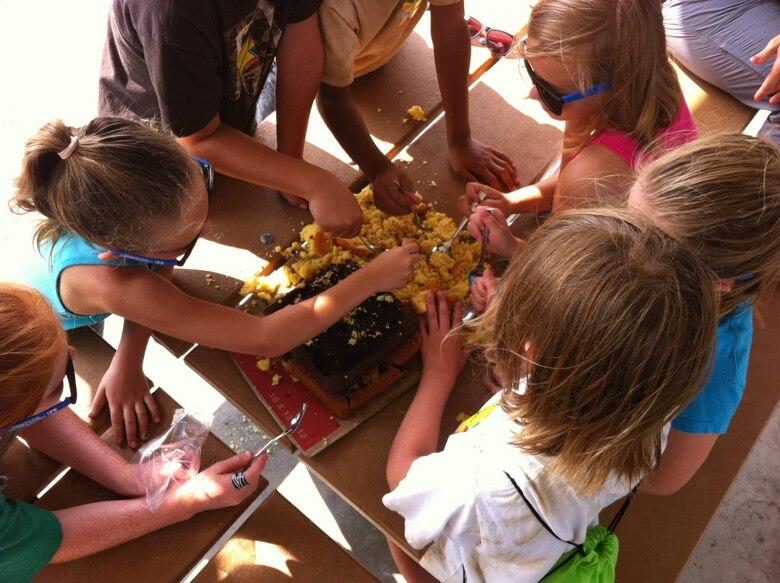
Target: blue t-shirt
point(712, 410)
point(45, 271)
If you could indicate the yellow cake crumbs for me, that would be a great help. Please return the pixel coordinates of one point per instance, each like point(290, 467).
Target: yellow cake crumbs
point(433, 272)
point(433, 184)
point(461, 417)
point(264, 364)
point(417, 113)
point(275, 380)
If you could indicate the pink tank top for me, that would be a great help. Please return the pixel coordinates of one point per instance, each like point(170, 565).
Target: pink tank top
point(680, 131)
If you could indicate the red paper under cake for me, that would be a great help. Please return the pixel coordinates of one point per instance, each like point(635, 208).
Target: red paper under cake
point(285, 399)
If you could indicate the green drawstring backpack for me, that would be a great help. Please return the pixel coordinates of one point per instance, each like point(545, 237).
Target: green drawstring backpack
point(590, 562)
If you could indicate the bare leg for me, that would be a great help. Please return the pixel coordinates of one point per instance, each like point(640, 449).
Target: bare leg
point(410, 569)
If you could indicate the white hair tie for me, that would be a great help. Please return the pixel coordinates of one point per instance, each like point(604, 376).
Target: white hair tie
point(70, 148)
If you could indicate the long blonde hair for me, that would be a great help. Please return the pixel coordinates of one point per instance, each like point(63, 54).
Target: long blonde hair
point(121, 179)
point(720, 195)
point(620, 320)
point(621, 41)
point(31, 337)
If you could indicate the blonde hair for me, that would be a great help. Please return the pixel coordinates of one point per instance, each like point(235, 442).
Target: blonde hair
point(112, 187)
point(720, 195)
point(31, 337)
point(621, 320)
point(621, 41)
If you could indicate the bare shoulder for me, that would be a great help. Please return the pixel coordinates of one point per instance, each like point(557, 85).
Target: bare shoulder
point(596, 176)
point(94, 289)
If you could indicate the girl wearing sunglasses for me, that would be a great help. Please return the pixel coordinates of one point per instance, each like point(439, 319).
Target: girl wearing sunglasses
point(123, 204)
point(34, 358)
point(600, 66)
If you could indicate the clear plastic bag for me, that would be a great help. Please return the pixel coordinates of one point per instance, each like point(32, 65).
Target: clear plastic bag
point(173, 457)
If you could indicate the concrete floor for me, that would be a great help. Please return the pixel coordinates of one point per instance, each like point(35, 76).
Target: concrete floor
point(50, 53)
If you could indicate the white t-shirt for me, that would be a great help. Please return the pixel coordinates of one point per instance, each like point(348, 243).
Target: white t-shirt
point(461, 502)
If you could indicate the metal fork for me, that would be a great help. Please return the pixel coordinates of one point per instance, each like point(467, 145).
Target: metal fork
point(446, 246)
point(294, 424)
point(479, 268)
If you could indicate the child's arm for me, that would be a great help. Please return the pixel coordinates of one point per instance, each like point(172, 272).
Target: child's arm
point(151, 300)
point(67, 439)
point(333, 206)
point(469, 159)
point(91, 528)
point(534, 198)
point(443, 357)
point(393, 189)
point(300, 63)
point(682, 458)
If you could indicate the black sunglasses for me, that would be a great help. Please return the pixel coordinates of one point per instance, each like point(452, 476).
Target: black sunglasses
point(554, 100)
point(70, 374)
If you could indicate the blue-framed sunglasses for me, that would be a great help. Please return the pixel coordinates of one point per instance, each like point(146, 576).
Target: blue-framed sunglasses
point(208, 177)
point(70, 374)
point(554, 100)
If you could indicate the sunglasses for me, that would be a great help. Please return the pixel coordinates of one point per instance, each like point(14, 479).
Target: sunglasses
point(552, 99)
point(498, 42)
point(208, 177)
point(70, 374)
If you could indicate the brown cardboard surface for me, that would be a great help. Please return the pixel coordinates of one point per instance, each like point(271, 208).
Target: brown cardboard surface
point(164, 555)
point(659, 533)
point(218, 368)
point(500, 118)
point(714, 110)
point(355, 465)
point(278, 544)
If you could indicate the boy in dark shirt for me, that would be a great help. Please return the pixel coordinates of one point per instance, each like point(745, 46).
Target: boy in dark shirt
point(200, 65)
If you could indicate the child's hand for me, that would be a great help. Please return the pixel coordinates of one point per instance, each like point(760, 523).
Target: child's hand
point(394, 192)
point(501, 241)
point(442, 351)
point(391, 269)
point(472, 160)
point(335, 209)
point(126, 390)
point(483, 290)
point(212, 488)
point(493, 199)
point(770, 88)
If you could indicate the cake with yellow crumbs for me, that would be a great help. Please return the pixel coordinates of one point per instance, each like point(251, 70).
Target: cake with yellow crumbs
point(317, 250)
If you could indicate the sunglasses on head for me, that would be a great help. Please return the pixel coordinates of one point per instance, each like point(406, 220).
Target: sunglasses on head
point(497, 42)
point(208, 177)
point(552, 99)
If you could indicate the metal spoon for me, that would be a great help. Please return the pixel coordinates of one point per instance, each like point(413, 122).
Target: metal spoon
point(294, 424)
point(370, 246)
point(446, 246)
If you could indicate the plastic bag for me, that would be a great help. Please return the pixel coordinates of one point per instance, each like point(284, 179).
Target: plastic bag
point(173, 457)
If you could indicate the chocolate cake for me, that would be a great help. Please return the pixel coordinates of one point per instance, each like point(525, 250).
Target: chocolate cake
point(356, 352)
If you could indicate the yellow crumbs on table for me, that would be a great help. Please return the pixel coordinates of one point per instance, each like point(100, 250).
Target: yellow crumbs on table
point(438, 271)
point(417, 113)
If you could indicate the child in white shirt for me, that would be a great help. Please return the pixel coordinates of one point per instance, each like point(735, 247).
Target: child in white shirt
point(602, 333)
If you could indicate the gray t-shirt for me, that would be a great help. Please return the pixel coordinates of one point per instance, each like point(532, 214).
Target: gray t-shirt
point(184, 61)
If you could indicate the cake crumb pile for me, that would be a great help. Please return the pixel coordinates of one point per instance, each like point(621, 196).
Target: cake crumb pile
point(317, 250)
